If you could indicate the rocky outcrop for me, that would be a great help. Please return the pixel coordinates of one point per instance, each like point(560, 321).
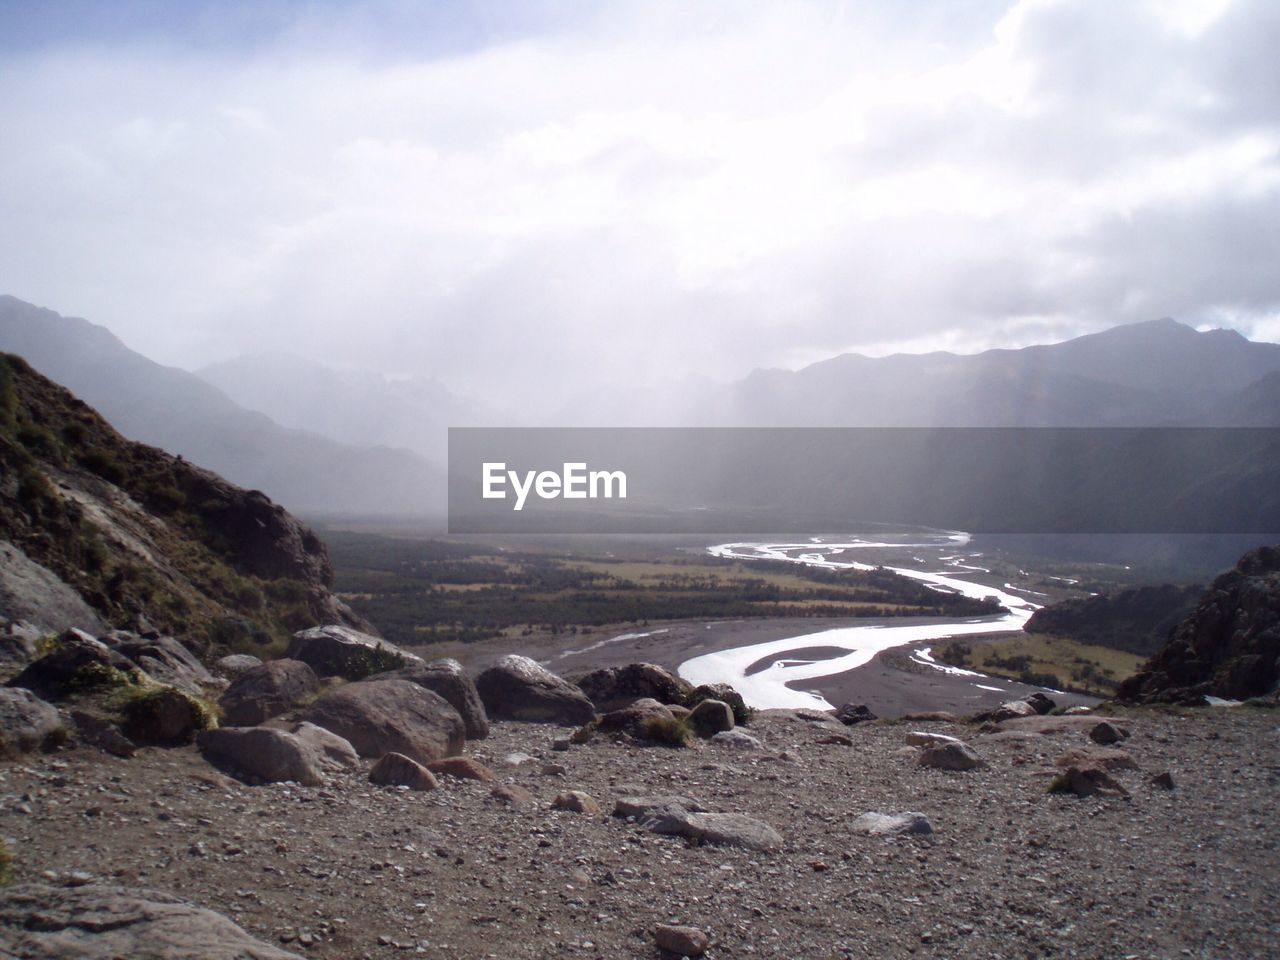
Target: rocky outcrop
point(337, 651)
point(163, 658)
point(40, 922)
point(448, 679)
point(611, 688)
point(266, 691)
point(517, 688)
point(391, 716)
point(76, 662)
point(1228, 647)
point(27, 723)
point(33, 592)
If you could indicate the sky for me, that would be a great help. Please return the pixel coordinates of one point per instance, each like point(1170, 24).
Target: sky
point(541, 199)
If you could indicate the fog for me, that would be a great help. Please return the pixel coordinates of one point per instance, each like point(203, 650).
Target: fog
point(532, 203)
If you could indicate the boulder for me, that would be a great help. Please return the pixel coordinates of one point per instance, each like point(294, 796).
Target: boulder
point(725, 693)
point(335, 753)
point(32, 592)
point(77, 662)
point(917, 738)
point(40, 922)
point(27, 723)
point(738, 739)
point(851, 713)
point(447, 678)
point(632, 719)
point(720, 829)
point(611, 688)
point(638, 807)
point(265, 691)
point(575, 801)
point(877, 824)
point(397, 770)
point(385, 716)
point(517, 688)
point(1107, 733)
point(166, 717)
point(951, 756)
point(462, 768)
point(19, 643)
point(711, 717)
point(264, 753)
point(1008, 710)
point(235, 664)
point(511, 795)
point(1039, 702)
point(1085, 781)
point(682, 941)
point(337, 651)
point(100, 731)
point(1108, 758)
point(162, 658)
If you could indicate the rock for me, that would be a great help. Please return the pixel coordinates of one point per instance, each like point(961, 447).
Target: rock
point(1107, 733)
point(517, 688)
point(724, 693)
point(77, 662)
point(27, 723)
point(1008, 711)
point(635, 718)
point(162, 658)
point(893, 824)
point(720, 829)
point(850, 714)
point(518, 759)
point(41, 922)
point(95, 729)
point(395, 769)
point(235, 664)
point(32, 592)
point(1229, 645)
point(612, 688)
point(682, 941)
point(638, 807)
point(447, 678)
point(337, 651)
point(511, 795)
point(1085, 781)
point(19, 643)
point(710, 717)
point(166, 717)
point(462, 768)
point(951, 756)
point(1079, 710)
point(1105, 757)
point(918, 739)
point(1039, 702)
point(266, 691)
point(336, 753)
point(264, 753)
point(385, 716)
point(836, 739)
point(1162, 780)
point(738, 739)
point(575, 801)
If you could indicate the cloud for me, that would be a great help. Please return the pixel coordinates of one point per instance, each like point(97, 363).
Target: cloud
point(548, 203)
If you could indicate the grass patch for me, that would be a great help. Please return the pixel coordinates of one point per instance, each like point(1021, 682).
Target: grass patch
point(668, 731)
point(1043, 660)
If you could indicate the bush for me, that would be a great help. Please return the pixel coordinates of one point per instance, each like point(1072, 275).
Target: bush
point(670, 731)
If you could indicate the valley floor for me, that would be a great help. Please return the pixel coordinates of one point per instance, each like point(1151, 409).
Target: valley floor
point(353, 870)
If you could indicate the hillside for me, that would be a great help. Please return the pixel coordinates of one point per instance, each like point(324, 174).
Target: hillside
point(181, 413)
point(139, 535)
point(1137, 620)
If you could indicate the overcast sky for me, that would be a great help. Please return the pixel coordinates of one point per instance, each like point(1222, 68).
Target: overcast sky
point(550, 196)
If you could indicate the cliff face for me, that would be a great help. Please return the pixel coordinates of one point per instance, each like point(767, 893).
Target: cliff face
point(143, 537)
point(1228, 647)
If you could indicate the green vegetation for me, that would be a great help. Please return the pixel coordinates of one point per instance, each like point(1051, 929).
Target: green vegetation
point(425, 591)
point(1044, 661)
point(669, 731)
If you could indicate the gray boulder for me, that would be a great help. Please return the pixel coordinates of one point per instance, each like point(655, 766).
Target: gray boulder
point(447, 678)
point(337, 651)
point(738, 739)
point(612, 688)
point(19, 643)
point(266, 691)
point(27, 723)
point(336, 753)
point(391, 716)
point(638, 807)
point(235, 664)
point(725, 693)
point(517, 688)
point(264, 753)
point(893, 824)
point(633, 718)
point(30, 591)
point(163, 658)
point(711, 717)
point(720, 829)
point(76, 662)
point(951, 756)
point(41, 922)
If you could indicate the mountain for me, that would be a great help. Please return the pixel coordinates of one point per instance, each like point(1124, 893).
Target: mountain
point(99, 530)
point(183, 414)
point(357, 407)
point(1158, 373)
point(1229, 646)
point(1137, 620)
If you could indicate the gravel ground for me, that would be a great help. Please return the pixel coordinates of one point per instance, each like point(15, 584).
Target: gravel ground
point(353, 870)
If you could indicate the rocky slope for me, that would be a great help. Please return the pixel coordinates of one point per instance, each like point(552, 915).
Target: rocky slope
point(1228, 647)
point(1136, 620)
point(96, 530)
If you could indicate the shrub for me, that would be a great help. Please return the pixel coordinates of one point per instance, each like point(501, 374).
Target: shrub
point(670, 731)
